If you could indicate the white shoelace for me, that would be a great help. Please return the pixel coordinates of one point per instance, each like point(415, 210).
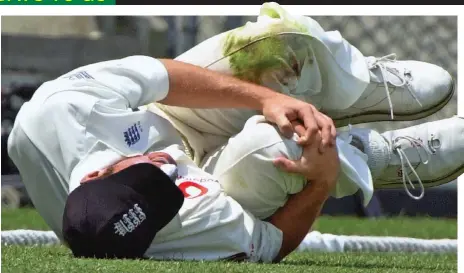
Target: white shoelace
point(382, 64)
point(404, 159)
point(348, 137)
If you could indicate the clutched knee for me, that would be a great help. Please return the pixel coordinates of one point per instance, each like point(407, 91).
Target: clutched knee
point(246, 171)
point(260, 134)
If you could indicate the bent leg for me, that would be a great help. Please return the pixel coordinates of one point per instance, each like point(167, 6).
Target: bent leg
point(288, 53)
point(245, 170)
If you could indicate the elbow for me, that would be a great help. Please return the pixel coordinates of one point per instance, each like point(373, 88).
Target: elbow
point(278, 259)
point(285, 250)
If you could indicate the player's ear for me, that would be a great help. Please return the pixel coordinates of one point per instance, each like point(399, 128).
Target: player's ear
point(92, 176)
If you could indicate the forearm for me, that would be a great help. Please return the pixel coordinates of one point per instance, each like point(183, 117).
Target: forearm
point(298, 215)
point(195, 87)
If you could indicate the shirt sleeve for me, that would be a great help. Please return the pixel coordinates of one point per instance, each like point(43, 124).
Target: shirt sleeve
point(134, 80)
point(267, 241)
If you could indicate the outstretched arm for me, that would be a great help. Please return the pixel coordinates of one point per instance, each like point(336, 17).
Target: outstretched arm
point(195, 87)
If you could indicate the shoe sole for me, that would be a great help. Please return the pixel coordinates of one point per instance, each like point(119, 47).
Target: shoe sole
point(427, 184)
point(375, 116)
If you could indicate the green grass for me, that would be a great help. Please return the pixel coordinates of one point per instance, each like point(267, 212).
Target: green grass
point(58, 259)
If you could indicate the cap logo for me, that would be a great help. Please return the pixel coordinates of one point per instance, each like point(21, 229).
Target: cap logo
point(129, 221)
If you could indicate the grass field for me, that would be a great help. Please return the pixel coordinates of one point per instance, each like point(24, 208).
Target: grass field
point(58, 259)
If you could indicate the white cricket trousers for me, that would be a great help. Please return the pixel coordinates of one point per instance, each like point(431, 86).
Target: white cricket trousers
point(245, 170)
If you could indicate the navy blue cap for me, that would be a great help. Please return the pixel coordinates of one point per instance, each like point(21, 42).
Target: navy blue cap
point(118, 216)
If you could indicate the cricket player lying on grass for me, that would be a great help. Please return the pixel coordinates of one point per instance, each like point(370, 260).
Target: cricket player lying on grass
point(112, 180)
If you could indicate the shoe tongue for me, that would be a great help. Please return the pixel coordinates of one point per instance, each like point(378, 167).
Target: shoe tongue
point(376, 148)
point(412, 151)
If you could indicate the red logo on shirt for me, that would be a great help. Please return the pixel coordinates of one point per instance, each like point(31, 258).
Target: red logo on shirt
point(192, 190)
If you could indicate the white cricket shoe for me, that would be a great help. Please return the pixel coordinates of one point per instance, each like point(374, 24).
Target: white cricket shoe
point(425, 155)
point(399, 90)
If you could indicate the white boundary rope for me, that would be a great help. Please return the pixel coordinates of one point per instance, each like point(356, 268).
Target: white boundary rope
point(27, 237)
point(314, 241)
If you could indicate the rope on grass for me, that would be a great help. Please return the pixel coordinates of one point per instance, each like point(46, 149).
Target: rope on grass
point(314, 241)
point(28, 237)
